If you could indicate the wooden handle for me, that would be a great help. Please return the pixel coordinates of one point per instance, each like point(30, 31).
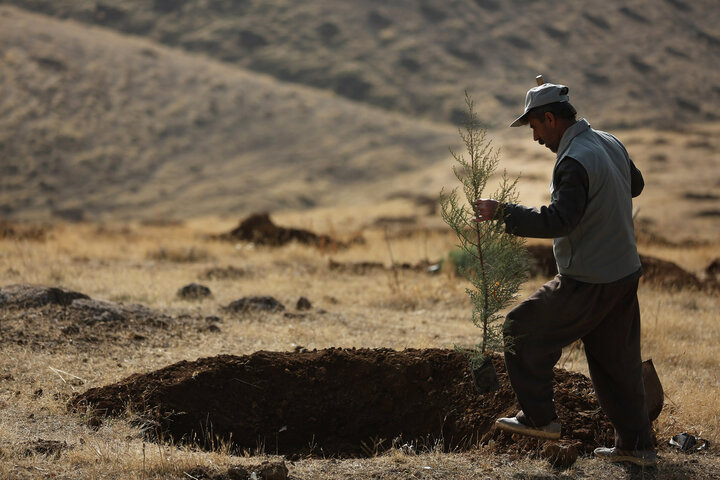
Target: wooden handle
point(539, 80)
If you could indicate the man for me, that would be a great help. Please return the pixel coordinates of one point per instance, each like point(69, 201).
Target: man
point(594, 297)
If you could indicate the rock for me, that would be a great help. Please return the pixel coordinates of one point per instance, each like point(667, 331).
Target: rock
point(194, 291)
point(258, 304)
point(303, 304)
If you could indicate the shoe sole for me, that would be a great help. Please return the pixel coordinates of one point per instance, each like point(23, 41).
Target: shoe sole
point(528, 431)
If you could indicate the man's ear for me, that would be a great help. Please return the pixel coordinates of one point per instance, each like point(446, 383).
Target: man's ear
point(550, 119)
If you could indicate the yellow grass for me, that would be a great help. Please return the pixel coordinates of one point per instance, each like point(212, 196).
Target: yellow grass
point(120, 262)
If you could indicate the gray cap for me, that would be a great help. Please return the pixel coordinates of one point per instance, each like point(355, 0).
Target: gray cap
point(541, 95)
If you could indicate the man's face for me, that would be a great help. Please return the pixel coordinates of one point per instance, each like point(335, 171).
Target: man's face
point(546, 131)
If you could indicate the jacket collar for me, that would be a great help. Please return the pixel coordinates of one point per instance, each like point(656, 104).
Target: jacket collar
point(573, 131)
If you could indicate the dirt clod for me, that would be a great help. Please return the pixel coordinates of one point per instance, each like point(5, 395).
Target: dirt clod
point(194, 291)
point(257, 304)
point(303, 304)
point(272, 470)
point(260, 230)
point(560, 456)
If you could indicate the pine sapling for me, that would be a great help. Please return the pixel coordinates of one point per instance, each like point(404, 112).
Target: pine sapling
point(496, 262)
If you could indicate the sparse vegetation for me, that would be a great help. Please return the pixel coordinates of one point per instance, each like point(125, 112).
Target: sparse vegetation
point(360, 312)
point(123, 157)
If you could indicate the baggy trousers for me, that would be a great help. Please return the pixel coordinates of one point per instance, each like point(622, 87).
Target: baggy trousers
point(607, 319)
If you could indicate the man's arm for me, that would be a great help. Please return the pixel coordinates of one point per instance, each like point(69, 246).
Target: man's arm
point(560, 217)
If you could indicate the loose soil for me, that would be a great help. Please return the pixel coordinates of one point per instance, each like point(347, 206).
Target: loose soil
point(340, 402)
point(50, 317)
point(259, 229)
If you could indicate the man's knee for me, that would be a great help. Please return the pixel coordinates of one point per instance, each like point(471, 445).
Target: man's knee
point(517, 323)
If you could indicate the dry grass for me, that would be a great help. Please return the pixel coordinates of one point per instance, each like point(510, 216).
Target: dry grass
point(117, 262)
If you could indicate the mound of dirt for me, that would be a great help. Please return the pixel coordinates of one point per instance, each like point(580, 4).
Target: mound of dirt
point(43, 317)
point(543, 261)
point(656, 272)
point(713, 269)
point(263, 303)
point(664, 274)
point(32, 296)
point(259, 229)
point(343, 402)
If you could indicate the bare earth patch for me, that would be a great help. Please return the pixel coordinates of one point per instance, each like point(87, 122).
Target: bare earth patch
point(53, 317)
point(340, 402)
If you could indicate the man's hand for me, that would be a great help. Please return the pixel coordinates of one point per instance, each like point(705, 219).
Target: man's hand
point(485, 209)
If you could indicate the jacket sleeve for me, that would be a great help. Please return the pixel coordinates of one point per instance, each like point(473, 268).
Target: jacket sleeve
point(637, 183)
point(562, 215)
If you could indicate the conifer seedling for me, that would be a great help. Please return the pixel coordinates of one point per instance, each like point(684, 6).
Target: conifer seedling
point(496, 263)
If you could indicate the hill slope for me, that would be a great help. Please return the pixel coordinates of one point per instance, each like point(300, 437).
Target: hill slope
point(96, 123)
point(654, 61)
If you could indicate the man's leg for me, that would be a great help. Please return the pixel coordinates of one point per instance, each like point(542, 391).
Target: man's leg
point(560, 312)
point(614, 360)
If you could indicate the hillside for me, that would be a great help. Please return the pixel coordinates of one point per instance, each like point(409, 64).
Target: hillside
point(96, 123)
point(102, 125)
point(651, 61)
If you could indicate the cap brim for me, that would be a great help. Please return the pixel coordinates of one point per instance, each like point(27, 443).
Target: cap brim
point(522, 120)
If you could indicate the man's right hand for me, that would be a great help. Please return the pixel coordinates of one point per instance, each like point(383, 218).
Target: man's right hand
point(485, 209)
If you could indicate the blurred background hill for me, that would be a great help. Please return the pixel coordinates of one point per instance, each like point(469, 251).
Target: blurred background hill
point(181, 108)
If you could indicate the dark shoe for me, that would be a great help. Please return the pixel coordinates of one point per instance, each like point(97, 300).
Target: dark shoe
point(551, 431)
point(642, 458)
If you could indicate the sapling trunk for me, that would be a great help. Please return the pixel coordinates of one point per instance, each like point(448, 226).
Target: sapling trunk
point(495, 262)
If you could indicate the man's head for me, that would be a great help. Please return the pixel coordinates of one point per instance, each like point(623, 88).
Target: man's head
point(548, 112)
point(549, 123)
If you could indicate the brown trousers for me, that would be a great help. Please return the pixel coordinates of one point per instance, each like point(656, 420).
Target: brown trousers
point(607, 319)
